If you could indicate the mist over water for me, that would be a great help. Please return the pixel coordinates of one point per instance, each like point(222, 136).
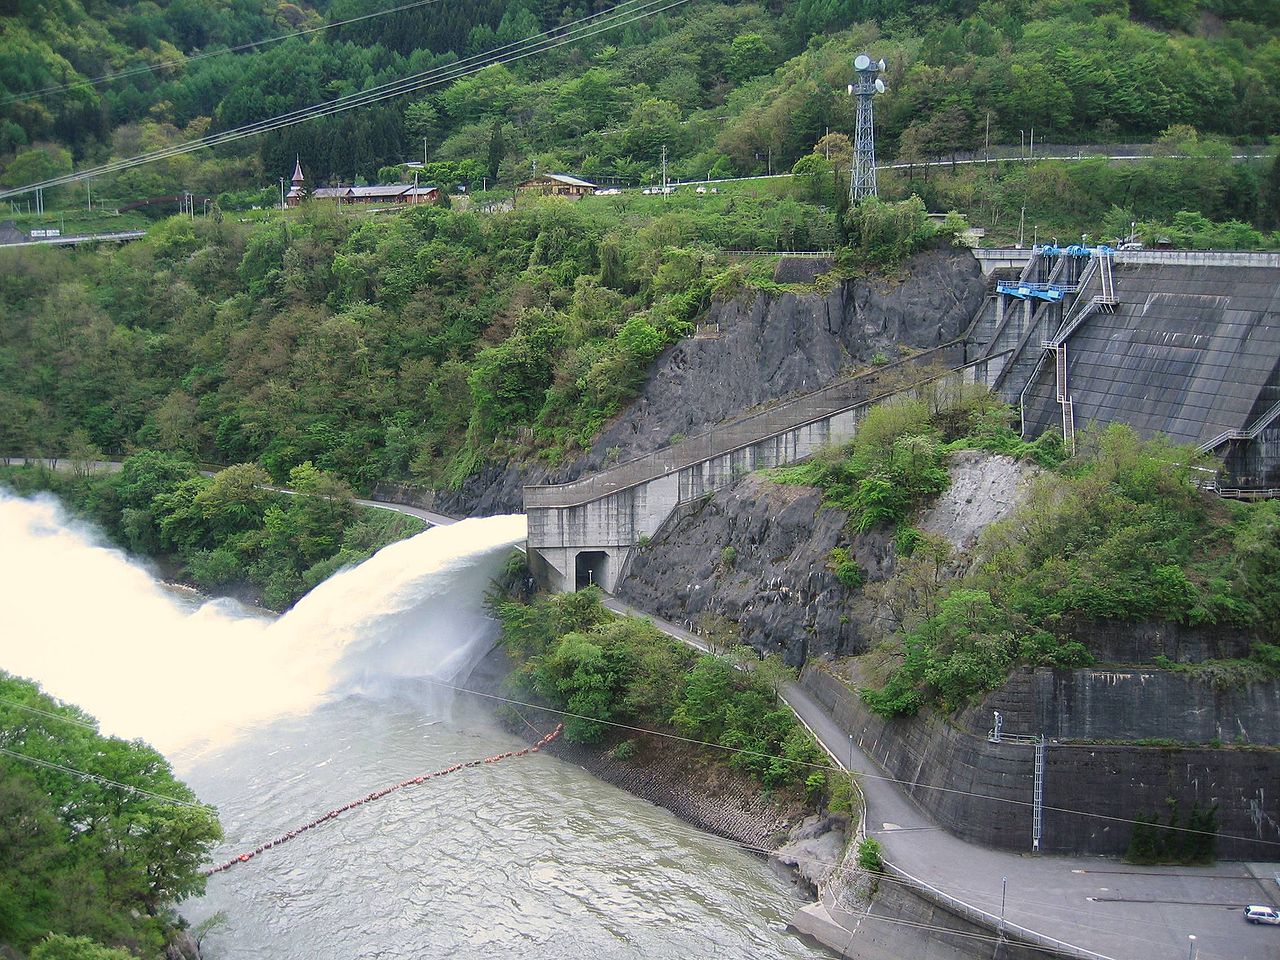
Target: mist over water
point(96, 628)
point(275, 721)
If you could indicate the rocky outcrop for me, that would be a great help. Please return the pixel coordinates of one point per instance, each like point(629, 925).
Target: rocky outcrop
point(758, 554)
point(984, 488)
point(770, 346)
point(815, 850)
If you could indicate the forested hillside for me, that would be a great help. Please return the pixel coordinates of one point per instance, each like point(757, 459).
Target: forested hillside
point(406, 347)
point(729, 89)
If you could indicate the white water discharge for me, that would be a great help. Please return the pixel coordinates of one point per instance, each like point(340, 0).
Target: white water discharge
point(96, 629)
point(277, 721)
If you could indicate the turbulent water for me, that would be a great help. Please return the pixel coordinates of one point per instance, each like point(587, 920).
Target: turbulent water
point(277, 721)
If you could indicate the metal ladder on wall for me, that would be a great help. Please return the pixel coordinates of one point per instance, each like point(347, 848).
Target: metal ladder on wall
point(1037, 809)
point(1064, 397)
point(997, 735)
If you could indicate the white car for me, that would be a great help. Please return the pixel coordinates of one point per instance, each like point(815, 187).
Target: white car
point(1256, 914)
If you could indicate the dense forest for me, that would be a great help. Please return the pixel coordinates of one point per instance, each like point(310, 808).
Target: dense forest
point(575, 655)
point(728, 89)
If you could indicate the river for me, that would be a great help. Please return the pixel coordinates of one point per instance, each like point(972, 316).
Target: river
point(276, 721)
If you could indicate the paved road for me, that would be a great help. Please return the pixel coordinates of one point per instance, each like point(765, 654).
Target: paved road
point(435, 519)
point(112, 466)
point(1113, 909)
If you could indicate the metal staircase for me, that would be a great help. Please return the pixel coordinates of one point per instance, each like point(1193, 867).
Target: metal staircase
point(1099, 276)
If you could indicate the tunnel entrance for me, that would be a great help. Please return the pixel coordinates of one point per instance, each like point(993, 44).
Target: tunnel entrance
point(589, 568)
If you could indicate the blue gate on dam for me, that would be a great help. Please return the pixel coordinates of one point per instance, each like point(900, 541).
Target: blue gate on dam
point(582, 533)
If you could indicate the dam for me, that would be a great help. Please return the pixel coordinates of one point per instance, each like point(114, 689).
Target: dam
point(1185, 344)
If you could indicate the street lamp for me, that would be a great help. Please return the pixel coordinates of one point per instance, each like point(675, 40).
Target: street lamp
point(1191, 950)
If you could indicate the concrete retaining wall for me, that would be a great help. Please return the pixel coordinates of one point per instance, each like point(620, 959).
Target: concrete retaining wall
point(1130, 703)
point(982, 791)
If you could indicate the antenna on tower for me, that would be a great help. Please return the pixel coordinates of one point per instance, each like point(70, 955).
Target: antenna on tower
point(862, 179)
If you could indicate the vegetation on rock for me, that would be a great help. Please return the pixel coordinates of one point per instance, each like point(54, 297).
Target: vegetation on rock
point(1118, 532)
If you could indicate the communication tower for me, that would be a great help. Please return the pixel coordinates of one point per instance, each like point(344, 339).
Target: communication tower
point(862, 181)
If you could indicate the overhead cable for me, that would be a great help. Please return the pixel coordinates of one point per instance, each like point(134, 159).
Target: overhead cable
point(906, 784)
point(583, 28)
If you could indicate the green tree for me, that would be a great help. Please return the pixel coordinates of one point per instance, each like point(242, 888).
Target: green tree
point(58, 946)
point(749, 56)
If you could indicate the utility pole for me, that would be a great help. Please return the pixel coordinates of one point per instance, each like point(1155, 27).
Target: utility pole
point(664, 169)
point(986, 150)
point(1022, 222)
point(88, 195)
point(282, 193)
point(1033, 143)
point(424, 151)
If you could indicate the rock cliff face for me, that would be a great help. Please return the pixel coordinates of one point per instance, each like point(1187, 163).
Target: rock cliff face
point(779, 587)
point(770, 346)
point(984, 488)
point(757, 553)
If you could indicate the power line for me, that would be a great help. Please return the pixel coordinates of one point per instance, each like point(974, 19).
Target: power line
point(514, 51)
point(177, 61)
point(828, 767)
point(583, 28)
point(103, 780)
point(49, 714)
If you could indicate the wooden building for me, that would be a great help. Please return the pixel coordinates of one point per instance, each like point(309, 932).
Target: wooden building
point(392, 193)
point(558, 185)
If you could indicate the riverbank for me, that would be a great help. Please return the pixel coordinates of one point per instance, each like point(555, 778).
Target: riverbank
point(799, 837)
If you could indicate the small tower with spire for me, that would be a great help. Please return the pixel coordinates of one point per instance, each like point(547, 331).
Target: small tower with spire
point(297, 192)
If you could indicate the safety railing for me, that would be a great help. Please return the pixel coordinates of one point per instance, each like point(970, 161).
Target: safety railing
point(1204, 258)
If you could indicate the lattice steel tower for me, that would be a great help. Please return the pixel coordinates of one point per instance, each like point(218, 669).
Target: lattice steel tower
point(862, 180)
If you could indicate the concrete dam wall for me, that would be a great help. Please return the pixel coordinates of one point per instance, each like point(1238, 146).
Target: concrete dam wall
point(1190, 349)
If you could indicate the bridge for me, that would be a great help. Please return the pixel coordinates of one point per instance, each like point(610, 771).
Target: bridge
point(75, 240)
point(1002, 258)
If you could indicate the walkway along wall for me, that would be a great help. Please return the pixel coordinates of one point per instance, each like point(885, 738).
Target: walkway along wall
point(981, 791)
point(582, 532)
